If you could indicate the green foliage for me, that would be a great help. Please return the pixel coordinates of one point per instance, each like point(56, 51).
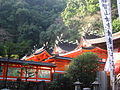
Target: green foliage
point(14, 56)
point(28, 21)
point(58, 28)
point(12, 71)
point(84, 68)
point(35, 22)
point(79, 8)
point(28, 71)
point(61, 83)
point(2, 52)
point(116, 25)
point(84, 16)
point(8, 49)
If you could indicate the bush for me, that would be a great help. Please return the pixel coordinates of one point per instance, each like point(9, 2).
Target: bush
point(61, 83)
point(116, 25)
point(84, 68)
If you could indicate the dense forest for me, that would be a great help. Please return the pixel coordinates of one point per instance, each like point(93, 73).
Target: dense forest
point(25, 24)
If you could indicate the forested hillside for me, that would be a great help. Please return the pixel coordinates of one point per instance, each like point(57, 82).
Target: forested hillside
point(25, 23)
point(28, 23)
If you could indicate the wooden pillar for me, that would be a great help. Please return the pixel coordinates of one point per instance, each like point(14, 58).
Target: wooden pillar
point(51, 73)
point(36, 73)
point(21, 72)
point(4, 71)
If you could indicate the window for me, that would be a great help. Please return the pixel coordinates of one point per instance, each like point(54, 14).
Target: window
point(44, 74)
point(13, 71)
point(29, 72)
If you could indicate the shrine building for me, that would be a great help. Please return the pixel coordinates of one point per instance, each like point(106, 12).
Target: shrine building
point(11, 69)
point(43, 62)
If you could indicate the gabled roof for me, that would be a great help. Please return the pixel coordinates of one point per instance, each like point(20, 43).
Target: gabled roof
point(39, 56)
point(64, 46)
point(101, 42)
point(26, 62)
point(67, 46)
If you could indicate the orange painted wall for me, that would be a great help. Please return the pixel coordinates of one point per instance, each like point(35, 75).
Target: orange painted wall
point(61, 64)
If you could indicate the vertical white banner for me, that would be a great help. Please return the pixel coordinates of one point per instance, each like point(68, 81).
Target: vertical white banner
point(105, 7)
point(118, 5)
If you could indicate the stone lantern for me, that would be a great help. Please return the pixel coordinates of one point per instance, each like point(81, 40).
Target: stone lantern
point(77, 85)
point(95, 85)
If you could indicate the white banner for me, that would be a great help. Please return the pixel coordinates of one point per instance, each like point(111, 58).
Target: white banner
point(118, 5)
point(105, 7)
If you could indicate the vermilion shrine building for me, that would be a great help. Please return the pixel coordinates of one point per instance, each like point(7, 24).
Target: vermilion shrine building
point(43, 62)
point(64, 52)
point(11, 69)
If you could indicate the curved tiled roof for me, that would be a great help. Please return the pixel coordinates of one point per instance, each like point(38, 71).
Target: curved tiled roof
point(67, 46)
point(102, 40)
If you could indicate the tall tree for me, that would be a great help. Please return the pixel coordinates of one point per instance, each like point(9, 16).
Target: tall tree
point(58, 28)
point(85, 15)
point(8, 49)
point(26, 20)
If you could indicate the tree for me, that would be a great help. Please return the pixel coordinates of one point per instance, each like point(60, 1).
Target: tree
point(84, 68)
point(2, 53)
point(11, 49)
point(58, 28)
point(84, 16)
point(116, 25)
point(25, 20)
point(60, 82)
point(28, 71)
